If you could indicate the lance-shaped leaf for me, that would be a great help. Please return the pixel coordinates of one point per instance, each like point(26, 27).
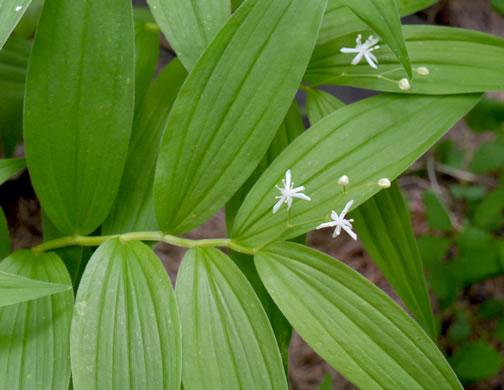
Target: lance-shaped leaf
point(321, 104)
point(350, 322)
point(16, 289)
point(384, 18)
point(35, 347)
point(374, 138)
point(383, 225)
point(11, 12)
point(125, 329)
point(230, 108)
point(134, 207)
point(13, 65)
point(457, 61)
point(10, 166)
point(339, 20)
point(78, 109)
point(227, 340)
point(190, 25)
point(5, 242)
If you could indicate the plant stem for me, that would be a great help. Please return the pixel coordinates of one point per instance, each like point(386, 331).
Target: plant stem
point(78, 240)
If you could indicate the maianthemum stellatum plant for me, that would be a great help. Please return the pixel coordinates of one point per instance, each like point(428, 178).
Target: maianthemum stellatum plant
point(120, 163)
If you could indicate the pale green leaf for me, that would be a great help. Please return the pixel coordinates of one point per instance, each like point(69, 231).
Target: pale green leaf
point(228, 342)
point(78, 109)
point(231, 106)
point(9, 167)
point(5, 242)
point(125, 330)
point(190, 25)
point(384, 228)
point(350, 322)
point(16, 289)
point(321, 104)
point(11, 12)
point(374, 138)
point(457, 60)
point(35, 350)
point(134, 208)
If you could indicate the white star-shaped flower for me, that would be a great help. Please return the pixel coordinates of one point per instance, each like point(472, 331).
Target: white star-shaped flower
point(288, 193)
point(364, 50)
point(339, 222)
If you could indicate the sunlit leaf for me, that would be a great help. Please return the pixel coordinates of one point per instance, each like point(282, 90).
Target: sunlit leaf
point(125, 329)
point(9, 167)
point(228, 342)
point(78, 109)
point(350, 322)
point(11, 12)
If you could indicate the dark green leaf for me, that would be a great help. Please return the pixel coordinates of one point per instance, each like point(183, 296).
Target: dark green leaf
point(327, 383)
point(232, 109)
point(436, 213)
point(320, 104)
point(459, 331)
point(386, 132)
point(499, 330)
point(489, 157)
point(11, 12)
point(467, 192)
point(228, 342)
point(134, 208)
point(488, 213)
point(125, 330)
point(350, 322)
point(384, 228)
point(488, 115)
point(457, 61)
point(5, 242)
point(190, 25)
point(449, 153)
point(491, 309)
point(34, 352)
point(28, 24)
point(16, 289)
point(78, 109)
point(433, 249)
point(476, 361)
point(498, 6)
point(9, 167)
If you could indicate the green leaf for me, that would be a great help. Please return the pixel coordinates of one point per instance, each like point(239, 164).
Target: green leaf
point(134, 207)
point(489, 157)
point(436, 213)
point(320, 104)
point(386, 132)
point(457, 61)
point(499, 330)
point(27, 26)
point(190, 25)
point(340, 20)
point(488, 115)
point(491, 309)
point(449, 153)
point(459, 331)
point(350, 322)
point(34, 352)
point(488, 213)
point(384, 18)
point(125, 330)
point(13, 65)
point(9, 167)
point(11, 12)
point(5, 242)
point(16, 289)
point(384, 227)
point(498, 6)
point(78, 109)
point(146, 57)
point(232, 109)
point(228, 342)
point(327, 383)
point(469, 193)
point(476, 361)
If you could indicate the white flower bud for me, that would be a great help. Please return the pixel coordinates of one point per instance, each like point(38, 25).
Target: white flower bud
point(422, 71)
point(384, 183)
point(343, 181)
point(404, 84)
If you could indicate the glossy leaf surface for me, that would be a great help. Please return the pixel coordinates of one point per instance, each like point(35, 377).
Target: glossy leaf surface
point(125, 330)
point(231, 106)
point(35, 350)
point(228, 342)
point(457, 60)
point(134, 207)
point(190, 25)
point(78, 109)
point(384, 228)
point(374, 138)
point(350, 322)
point(11, 12)
point(9, 167)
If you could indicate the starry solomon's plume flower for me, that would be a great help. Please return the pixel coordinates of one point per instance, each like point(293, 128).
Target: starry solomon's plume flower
point(364, 50)
point(288, 193)
point(339, 222)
